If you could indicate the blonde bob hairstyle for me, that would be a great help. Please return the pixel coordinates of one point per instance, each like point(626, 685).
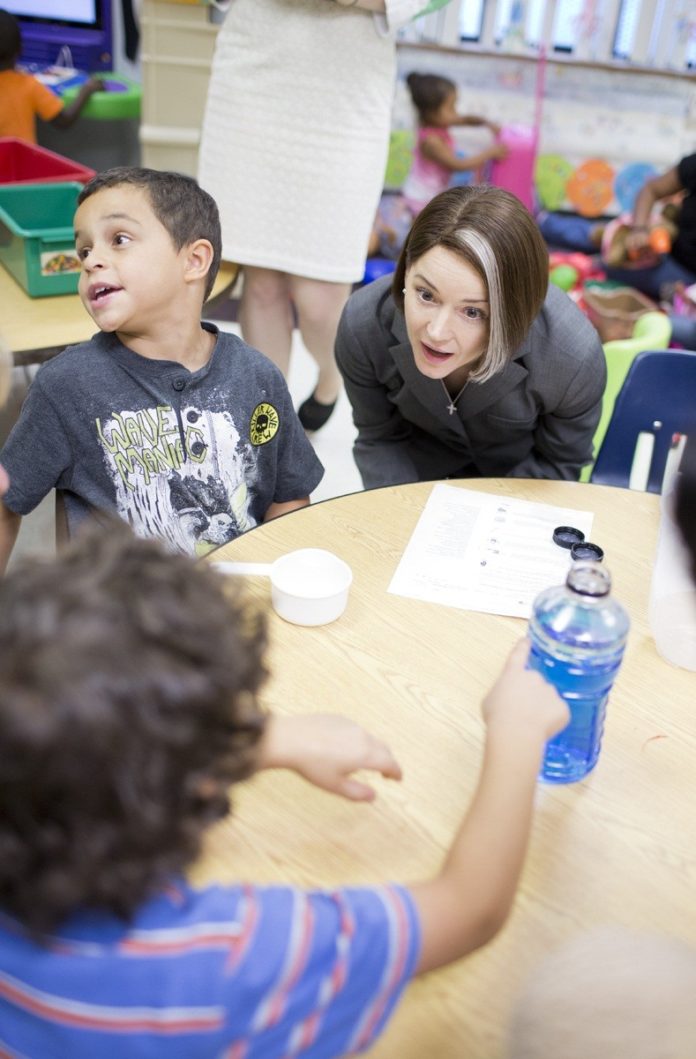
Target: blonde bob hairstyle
point(495, 234)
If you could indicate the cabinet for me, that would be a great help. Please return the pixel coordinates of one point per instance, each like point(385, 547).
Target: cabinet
point(177, 43)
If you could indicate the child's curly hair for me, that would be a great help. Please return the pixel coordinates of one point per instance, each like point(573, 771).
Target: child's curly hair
point(128, 684)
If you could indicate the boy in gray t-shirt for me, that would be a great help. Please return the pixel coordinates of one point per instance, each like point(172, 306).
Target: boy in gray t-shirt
point(185, 433)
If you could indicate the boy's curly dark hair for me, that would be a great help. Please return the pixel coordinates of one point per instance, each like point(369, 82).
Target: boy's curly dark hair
point(128, 683)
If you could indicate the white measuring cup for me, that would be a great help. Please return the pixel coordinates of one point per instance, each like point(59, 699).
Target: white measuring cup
point(308, 586)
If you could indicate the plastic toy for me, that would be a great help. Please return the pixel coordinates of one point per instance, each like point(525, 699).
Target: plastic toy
point(591, 187)
point(571, 270)
point(615, 251)
point(376, 267)
point(564, 276)
point(119, 100)
point(515, 173)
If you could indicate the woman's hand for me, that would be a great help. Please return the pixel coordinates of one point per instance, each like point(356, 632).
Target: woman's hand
point(326, 749)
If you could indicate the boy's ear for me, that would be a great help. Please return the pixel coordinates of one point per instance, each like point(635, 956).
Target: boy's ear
point(197, 260)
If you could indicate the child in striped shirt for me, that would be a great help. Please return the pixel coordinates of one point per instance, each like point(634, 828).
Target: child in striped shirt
point(129, 685)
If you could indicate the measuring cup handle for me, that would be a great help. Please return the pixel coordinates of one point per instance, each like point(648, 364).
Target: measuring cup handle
point(245, 569)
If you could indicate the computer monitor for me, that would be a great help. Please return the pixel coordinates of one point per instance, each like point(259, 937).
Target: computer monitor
point(83, 26)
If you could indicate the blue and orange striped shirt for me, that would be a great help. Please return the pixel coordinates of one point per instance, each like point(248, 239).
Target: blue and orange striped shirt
point(236, 972)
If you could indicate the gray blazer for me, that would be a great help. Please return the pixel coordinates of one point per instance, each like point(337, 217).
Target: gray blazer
point(536, 419)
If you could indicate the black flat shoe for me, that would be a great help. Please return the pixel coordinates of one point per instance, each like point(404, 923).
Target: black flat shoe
point(312, 414)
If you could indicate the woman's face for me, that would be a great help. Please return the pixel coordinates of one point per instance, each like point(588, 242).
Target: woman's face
point(447, 313)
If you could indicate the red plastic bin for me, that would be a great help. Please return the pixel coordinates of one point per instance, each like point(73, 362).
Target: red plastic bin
point(27, 163)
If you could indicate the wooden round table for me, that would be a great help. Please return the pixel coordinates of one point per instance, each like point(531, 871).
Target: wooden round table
point(619, 847)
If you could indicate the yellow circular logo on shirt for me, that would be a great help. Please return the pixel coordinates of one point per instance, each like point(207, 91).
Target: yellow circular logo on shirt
point(264, 424)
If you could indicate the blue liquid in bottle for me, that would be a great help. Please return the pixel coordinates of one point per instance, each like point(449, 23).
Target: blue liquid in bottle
point(578, 635)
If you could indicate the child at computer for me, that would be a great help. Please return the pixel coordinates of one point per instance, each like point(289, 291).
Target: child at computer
point(435, 159)
point(185, 433)
point(23, 98)
point(129, 685)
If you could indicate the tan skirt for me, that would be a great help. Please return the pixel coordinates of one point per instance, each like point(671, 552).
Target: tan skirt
point(295, 134)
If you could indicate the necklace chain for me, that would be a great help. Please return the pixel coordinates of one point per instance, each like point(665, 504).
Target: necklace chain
point(452, 401)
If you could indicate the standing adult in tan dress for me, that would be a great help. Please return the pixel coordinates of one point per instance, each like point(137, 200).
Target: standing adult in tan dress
point(294, 147)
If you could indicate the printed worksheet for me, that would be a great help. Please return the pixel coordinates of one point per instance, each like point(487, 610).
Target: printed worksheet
point(483, 552)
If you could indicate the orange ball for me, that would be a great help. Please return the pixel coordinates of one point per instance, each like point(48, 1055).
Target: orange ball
point(660, 241)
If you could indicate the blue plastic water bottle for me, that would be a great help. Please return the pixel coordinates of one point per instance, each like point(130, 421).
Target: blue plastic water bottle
point(578, 635)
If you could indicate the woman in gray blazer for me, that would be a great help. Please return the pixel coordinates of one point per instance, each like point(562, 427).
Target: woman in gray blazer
point(466, 363)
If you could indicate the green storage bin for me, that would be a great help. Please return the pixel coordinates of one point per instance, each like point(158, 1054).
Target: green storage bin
point(37, 242)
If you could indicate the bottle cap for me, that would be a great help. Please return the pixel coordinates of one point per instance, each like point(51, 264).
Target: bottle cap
point(567, 536)
point(587, 550)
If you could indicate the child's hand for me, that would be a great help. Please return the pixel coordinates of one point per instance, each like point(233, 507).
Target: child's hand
point(325, 749)
point(493, 126)
point(637, 242)
point(498, 151)
point(96, 84)
point(523, 700)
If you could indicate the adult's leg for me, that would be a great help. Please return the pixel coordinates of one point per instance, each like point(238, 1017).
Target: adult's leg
point(567, 231)
point(651, 281)
point(319, 306)
point(265, 314)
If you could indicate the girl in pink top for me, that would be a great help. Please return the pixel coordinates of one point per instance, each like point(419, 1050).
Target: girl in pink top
point(434, 161)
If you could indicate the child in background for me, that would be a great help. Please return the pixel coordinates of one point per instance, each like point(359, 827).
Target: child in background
point(435, 160)
point(129, 704)
point(22, 97)
point(185, 433)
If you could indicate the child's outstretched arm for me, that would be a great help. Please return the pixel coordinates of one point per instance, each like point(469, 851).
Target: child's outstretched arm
point(69, 114)
point(326, 749)
point(468, 902)
point(475, 120)
point(433, 148)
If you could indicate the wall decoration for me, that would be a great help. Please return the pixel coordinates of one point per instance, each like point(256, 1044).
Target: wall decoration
point(590, 189)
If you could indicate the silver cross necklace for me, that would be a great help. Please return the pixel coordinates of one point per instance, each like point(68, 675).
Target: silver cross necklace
point(452, 401)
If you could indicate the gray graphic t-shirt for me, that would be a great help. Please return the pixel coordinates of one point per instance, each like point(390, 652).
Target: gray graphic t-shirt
point(194, 458)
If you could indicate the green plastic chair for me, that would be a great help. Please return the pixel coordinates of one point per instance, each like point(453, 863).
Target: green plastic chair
point(401, 144)
point(652, 330)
